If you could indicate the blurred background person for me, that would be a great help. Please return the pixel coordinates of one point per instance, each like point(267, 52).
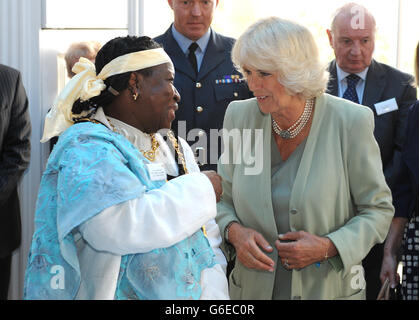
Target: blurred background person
point(406, 203)
point(85, 49)
point(300, 226)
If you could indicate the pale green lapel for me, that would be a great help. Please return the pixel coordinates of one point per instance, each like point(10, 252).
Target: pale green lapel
point(297, 194)
point(262, 181)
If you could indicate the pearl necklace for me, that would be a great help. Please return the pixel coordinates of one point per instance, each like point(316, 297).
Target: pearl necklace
point(296, 128)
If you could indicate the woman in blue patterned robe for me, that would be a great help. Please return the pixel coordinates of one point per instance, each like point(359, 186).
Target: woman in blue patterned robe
point(121, 212)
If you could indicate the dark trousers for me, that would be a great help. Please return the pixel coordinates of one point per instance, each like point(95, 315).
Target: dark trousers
point(372, 267)
point(5, 267)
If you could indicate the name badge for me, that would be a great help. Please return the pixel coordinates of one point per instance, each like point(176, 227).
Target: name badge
point(386, 106)
point(156, 172)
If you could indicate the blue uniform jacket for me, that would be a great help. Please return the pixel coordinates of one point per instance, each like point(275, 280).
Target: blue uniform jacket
point(204, 97)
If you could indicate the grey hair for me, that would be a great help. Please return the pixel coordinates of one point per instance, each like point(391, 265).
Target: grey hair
point(287, 48)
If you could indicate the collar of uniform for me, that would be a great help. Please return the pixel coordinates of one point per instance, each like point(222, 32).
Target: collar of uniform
point(185, 42)
point(342, 74)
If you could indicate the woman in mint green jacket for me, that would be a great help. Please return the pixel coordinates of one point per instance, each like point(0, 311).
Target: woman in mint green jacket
point(305, 197)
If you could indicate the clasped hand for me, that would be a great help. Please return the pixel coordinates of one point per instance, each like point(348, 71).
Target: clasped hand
point(303, 249)
point(216, 182)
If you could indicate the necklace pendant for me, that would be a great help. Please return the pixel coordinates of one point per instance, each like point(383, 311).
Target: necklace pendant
point(150, 155)
point(298, 126)
point(285, 134)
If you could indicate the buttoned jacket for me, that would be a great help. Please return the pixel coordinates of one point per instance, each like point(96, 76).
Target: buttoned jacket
point(383, 83)
point(205, 96)
point(406, 194)
point(339, 192)
point(15, 130)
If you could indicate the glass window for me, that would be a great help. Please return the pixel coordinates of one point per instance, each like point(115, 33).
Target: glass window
point(79, 14)
point(408, 34)
point(65, 22)
point(232, 17)
point(315, 15)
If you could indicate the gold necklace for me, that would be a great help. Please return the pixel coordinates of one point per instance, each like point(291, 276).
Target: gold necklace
point(175, 144)
point(151, 154)
point(110, 123)
point(88, 120)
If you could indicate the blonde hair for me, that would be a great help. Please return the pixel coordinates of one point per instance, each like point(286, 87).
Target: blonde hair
point(278, 45)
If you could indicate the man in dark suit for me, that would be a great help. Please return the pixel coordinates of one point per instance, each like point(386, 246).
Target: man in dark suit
point(15, 130)
point(205, 77)
point(355, 76)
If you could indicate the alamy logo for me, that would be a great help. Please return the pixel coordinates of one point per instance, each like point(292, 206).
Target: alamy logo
point(246, 147)
point(358, 19)
point(58, 280)
point(358, 280)
point(239, 146)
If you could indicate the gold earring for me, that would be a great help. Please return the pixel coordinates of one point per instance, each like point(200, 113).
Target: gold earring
point(135, 93)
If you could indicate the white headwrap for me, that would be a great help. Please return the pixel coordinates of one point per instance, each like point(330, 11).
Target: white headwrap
point(86, 84)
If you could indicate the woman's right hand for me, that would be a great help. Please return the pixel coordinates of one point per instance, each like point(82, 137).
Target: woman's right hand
point(389, 270)
point(391, 247)
point(248, 244)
